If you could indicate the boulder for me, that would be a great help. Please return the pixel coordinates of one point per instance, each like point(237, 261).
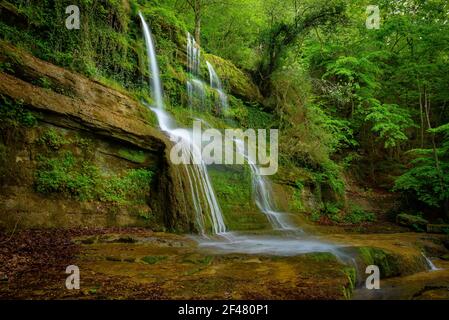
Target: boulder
point(413, 222)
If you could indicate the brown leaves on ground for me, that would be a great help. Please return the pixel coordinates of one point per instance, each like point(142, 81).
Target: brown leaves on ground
point(33, 264)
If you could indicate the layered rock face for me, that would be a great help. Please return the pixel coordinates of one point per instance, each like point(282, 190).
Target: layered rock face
point(120, 136)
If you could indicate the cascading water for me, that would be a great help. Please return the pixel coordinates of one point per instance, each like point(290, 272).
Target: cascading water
point(193, 55)
point(263, 193)
point(195, 87)
point(261, 187)
point(429, 262)
point(198, 93)
point(204, 200)
point(216, 84)
point(153, 65)
point(199, 181)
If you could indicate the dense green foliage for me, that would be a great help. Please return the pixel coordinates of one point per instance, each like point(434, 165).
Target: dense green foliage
point(60, 171)
point(347, 99)
point(13, 113)
point(428, 178)
point(345, 93)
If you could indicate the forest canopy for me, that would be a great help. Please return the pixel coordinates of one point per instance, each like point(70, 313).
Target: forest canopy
point(350, 97)
point(382, 93)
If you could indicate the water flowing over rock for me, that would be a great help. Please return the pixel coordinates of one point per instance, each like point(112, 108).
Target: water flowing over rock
point(206, 208)
point(216, 84)
point(193, 55)
point(195, 87)
point(152, 63)
point(261, 186)
point(78, 104)
point(263, 194)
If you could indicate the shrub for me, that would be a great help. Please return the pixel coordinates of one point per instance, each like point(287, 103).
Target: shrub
point(133, 186)
point(67, 176)
point(132, 155)
point(13, 113)
point(358, 215)
point(52, 139)
point(80, 179)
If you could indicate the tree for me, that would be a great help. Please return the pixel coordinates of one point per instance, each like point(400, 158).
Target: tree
point(199, 7)
point(428, 176)
point(302, 16)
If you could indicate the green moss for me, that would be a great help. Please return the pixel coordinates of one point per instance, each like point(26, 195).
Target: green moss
point(60, 172)
point(153, 259)
point(13, 113)
point(185, 117)
point(358, 215)
point(234, 191)
point(133, 187)
point(53, 139)
point(43, 82)
point(66, 175)
point(104, 47)
point(388, 263)
point(296, 203)
point(133, 155)
point(322, 257)
point(351, 273)
point(234, 80)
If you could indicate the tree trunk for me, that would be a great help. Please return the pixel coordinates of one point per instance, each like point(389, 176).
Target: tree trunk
point(198, 29)
point(422, 117)
point(435, 152)
point(197, 10)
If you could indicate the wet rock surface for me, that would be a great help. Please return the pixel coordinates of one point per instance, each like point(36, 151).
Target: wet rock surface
point(140, 264)
point(72, 104)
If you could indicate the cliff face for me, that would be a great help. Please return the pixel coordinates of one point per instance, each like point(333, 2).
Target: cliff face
point(112, 138)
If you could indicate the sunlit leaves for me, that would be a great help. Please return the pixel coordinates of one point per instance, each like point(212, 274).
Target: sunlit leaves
point(390, 122)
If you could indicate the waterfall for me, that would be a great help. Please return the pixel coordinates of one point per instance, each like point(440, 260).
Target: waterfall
point(216, 84)
point(193, 55)
point(153, 65)
point(205, 204)
point(195, 87)
point(261, 186)
point(263, 193)
point(197, 94)
point(203, 195)
point(429, 262)
point(204, 199)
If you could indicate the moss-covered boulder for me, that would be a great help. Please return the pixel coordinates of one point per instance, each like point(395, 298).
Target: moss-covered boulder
point(391, 264)
point(413, 222)
point(238, 83)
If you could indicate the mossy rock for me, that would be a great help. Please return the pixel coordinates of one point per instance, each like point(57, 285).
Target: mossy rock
point(238, 83)
point(388, 263)
point(413, 222)
point(153, 259)
point(322, 256)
